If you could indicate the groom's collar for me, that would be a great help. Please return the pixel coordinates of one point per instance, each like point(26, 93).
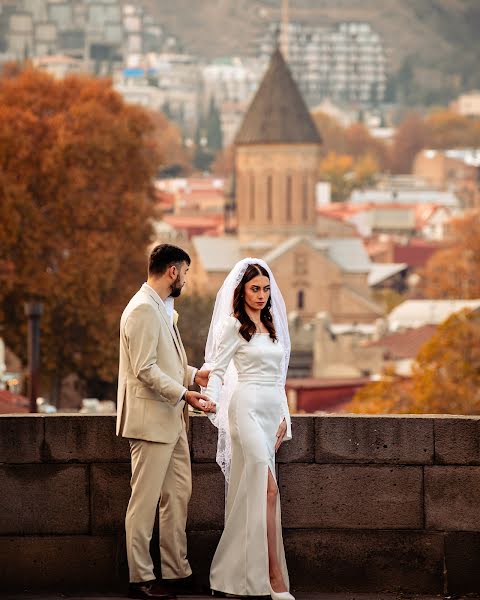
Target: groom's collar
point(167, 304)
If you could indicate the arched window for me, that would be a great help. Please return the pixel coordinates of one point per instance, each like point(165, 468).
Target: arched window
point(305, 198)
point(269, 198)
point(252, 197)
point(300, 299)
point(289, 198)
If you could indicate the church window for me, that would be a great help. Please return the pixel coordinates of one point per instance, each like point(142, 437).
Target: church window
point(300, 299)
point(252, 197)
point(289, 197)
point(269, 197)
point(305, 198)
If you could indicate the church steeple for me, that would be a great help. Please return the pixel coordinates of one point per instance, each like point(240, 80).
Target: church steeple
point(276, 161)
point(278, 113)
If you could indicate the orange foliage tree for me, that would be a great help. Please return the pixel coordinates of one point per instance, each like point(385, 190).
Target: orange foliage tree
point(410, 138)
point(168, 137)
point(76, 196)
point(447, 129)
point(331, 131)
point(336, 169)
point(359, 143)
point(453, 272)
point(445, 378)
point(224, 163)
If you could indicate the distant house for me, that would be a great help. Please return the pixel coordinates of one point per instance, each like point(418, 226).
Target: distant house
point(456, 169)
point(416, 313)
point(400, 349)
point(406, 196)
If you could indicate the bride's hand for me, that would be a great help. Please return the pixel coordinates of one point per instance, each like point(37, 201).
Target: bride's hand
point(282, 430)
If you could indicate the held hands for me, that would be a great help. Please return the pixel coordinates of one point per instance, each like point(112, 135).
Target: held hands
point(281, 431)
point(201, 378)
point(200, 402)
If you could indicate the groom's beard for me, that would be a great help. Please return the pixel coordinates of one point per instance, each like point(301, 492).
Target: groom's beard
point(175, 288)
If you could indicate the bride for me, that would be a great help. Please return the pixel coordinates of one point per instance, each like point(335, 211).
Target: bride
point(248, 349)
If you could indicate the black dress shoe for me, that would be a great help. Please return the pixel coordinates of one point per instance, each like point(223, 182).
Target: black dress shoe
point(149, 590)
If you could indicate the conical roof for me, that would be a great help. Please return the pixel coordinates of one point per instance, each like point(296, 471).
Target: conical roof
point(278, 113)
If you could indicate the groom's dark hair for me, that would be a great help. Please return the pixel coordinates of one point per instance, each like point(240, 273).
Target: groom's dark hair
point(164, 256)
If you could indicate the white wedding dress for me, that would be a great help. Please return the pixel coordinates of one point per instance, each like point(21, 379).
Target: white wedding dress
point(257, 407)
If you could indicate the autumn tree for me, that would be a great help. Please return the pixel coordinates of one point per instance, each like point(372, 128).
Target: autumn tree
point(390, 395)
point(360, 143)
point(224, 163)
point(332, 133)
point(411, 137)
point(453, 272)
point(168, 138)
point(337, 171)
point(76, 169)
point(447, 129)
point(365, 172)
point(345, 174)
point(445, 378)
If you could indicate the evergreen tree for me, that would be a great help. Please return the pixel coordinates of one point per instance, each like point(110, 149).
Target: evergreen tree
point(214, 127)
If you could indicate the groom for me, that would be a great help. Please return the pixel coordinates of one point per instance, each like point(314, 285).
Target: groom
point(152, 413)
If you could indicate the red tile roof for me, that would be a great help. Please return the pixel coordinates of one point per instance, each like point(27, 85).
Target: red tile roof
point(416, 253)
point(406, 344)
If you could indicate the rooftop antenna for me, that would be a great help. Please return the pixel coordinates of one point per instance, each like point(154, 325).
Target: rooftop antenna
point(284, 30)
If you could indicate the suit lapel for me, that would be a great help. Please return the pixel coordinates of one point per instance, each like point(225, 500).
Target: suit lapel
point(165, 317)
point(180, 343)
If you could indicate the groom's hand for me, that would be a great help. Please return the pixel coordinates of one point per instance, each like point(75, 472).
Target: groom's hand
point(200, 402)
point(201, 378)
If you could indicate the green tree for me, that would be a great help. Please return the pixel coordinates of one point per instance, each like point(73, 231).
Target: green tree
point(214, 127)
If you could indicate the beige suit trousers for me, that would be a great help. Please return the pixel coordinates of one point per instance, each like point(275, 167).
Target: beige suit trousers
point(161, 477)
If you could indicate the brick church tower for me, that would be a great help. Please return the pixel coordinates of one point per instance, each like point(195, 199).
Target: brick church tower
point(276, 161)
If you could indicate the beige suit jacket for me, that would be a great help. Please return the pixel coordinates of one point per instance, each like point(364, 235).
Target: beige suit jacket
point(153, 372)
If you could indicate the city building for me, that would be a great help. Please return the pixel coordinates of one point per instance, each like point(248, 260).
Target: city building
point(345, 62)
point(468, 105)
point(456, 169)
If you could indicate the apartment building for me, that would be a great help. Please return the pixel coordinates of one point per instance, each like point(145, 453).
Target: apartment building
point(345, 62)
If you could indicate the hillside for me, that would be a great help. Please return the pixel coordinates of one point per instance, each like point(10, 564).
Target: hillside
point(434, 45)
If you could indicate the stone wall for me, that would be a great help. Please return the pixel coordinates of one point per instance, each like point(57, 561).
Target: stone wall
point(369, 503)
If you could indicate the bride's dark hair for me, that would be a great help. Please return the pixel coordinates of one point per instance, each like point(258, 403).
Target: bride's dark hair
point(247, 326)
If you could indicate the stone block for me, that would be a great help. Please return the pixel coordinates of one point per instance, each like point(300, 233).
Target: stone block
point(21, 438)
point(204, 439)
point(452, 498)
point(207, 505)
point(301, 448)
point(457, 440)
point(109, 492)
point(83, 438)
point(61, 563)
point(462, 561)
point(365, 561)
point(351, 496)
point(201, 548)
point(44, 499)
point(367, 439)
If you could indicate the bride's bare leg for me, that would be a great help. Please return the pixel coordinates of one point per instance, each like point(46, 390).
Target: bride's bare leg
point(276, 577)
